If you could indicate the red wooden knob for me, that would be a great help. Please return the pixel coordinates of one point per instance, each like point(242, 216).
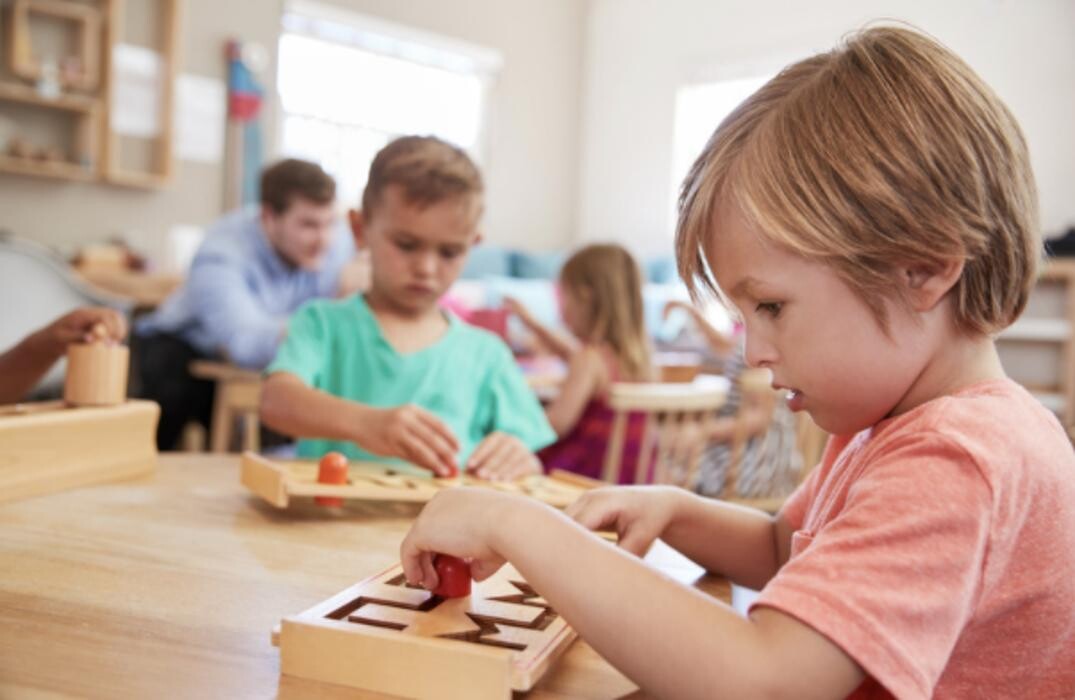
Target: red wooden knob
point(332, 469)
point(454, 576)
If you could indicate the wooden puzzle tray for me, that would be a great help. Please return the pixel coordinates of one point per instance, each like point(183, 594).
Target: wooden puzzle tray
point(386, 636)
point(277, 482)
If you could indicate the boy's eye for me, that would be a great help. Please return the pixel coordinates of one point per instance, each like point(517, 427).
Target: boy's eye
point(771, 308)
point(406, 245)
point(449, 253)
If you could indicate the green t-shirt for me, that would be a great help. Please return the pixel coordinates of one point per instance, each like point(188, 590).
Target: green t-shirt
point(467, 378)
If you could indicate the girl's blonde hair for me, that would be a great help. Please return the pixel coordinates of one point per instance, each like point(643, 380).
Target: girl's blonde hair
point(889, 151)
point(607, 284)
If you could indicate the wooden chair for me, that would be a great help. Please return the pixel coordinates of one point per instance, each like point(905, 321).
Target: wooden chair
point(676, 419)
point(758, 400)
point(238, 393)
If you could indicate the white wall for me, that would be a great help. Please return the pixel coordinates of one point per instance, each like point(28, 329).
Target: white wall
point(531, 163)
point(531, 160)
point(639, 51)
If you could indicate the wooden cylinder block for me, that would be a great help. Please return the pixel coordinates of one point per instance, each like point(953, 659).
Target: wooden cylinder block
point(96, 374)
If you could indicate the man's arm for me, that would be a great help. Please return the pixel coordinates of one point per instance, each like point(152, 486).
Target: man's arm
point(233, 317)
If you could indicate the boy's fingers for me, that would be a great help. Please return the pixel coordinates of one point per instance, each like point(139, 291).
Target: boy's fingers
point(417, 451)
point(482, 452)
point(495, 460)
point(438, 426)
point(481, 569)
point(635, 541)
point(410, 558)
point(429, 572)
point(444, 454)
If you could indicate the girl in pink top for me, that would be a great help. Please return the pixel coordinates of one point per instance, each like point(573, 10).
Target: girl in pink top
point(601, 302)
point(871, 214)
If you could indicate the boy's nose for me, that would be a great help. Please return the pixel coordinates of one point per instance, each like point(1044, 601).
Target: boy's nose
point(426, 265)
point(757, 351)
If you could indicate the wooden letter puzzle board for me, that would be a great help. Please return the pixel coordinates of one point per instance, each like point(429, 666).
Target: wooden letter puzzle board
point(277, 482)
point(385, 636)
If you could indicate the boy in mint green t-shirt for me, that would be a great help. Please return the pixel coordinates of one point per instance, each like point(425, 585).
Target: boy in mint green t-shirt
point(388, 374)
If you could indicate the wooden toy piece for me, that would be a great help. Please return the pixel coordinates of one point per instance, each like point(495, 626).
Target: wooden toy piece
point(96, 372)
point(454, 576)
point(50, 447)
point(277, 482)
point(385, 636)
point(332, 469)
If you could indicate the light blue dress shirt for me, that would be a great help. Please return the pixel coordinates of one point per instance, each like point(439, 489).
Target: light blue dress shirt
point(239, 292)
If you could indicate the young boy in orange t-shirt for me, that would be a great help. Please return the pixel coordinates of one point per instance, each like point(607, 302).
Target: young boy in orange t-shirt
point(872, 215)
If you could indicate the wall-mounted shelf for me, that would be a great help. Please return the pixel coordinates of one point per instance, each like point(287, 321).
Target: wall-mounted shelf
point(63, 123)
point(79, 71)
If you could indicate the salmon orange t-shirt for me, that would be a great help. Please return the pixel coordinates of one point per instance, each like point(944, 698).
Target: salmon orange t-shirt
point(937, 549)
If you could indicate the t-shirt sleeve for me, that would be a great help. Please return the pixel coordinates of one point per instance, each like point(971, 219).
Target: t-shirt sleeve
point(513, 407)
point(303, 351)
point(893, 578)
point(794, 509)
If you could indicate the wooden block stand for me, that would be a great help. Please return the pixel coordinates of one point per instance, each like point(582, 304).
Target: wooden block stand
point(277, 482)
point(47, 447)
point(385, 636)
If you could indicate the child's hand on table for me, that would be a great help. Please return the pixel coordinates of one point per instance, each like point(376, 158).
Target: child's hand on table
point(413, 434)
point(85, 325)
point(638, 514)
point(502, 457)
point(460, 522)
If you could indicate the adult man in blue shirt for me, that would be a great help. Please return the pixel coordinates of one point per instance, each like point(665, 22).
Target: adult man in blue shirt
point(255, 267)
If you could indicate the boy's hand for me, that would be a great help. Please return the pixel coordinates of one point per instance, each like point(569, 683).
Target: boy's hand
point(502, 457)
point(87, 324)
point(638, 514)
point(414, 434)
point(460, 522)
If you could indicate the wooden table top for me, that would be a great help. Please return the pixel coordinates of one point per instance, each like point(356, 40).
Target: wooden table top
point(169, 586)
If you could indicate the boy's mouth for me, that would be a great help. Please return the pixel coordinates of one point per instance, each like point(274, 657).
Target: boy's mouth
point(795, 400)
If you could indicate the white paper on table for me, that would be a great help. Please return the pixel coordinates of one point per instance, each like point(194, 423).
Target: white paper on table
point(200, 118)
point(136, 94)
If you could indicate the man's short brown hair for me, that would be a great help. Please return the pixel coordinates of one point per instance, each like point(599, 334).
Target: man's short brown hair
point(886, 152)
point(427, 169)
point(282, 182)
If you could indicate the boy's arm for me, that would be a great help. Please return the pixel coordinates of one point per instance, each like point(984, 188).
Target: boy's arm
point(672, 640)
point(290, 406)
point(742, 544)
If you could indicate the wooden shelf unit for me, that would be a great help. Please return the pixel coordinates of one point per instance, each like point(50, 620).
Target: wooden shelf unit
point(86, 95)
point(1038, 350)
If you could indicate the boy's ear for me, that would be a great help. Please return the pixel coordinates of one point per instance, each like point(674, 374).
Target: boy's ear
point(358, 227)
point(927, 285)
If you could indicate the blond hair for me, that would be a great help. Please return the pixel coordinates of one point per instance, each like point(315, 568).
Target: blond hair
point(606, 282)
point(428, 169)
point(889, 151)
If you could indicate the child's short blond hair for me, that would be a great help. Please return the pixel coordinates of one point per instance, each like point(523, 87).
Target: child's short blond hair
point(428, 169)
point(886, 151)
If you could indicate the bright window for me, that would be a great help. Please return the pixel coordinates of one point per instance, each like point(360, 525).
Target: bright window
point(699, 109)
point(349, 84)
